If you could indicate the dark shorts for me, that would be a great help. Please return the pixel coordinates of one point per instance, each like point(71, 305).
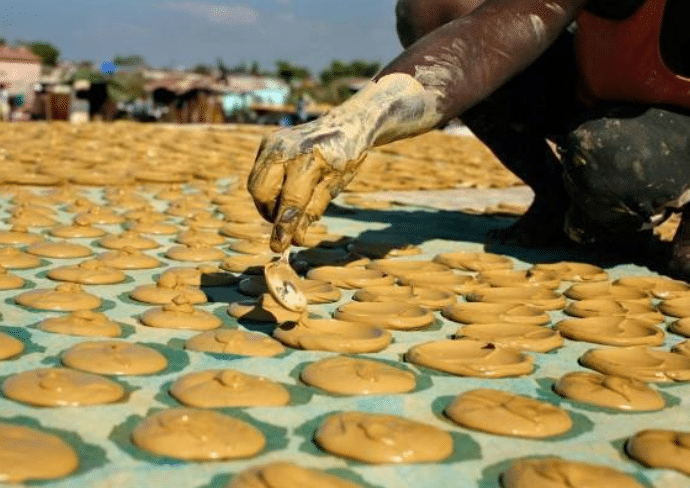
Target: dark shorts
point(626, 171)
point(621, 170)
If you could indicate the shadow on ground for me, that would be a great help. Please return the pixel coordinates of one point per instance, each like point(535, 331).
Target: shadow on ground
point(420, 225)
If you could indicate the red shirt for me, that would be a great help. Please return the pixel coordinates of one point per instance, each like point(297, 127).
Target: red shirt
point(620, 60)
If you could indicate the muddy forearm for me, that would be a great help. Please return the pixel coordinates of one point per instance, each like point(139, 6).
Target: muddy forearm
point(464, 61)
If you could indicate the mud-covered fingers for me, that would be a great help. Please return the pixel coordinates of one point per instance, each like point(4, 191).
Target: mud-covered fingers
point(325, 191)
point(302, 176)
point(265, 184)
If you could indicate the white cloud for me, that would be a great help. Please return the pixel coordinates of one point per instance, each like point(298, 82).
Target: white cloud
point(235, 14)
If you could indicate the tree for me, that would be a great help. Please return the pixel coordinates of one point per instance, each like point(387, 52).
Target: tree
point(357, 68)
point(223, 70)
point(288, 72)
point(203, 69)
point(129, 61)
point(48, 53)
point(126, 86)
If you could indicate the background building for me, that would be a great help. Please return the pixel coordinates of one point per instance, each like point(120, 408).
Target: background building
point(20, 70)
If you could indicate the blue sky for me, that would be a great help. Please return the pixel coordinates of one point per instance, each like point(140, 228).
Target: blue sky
point(183, 32)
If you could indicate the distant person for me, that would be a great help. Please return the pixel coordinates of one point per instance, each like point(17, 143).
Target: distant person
point(604, 82)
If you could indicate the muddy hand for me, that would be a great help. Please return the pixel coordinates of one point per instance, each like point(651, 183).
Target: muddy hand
point(297, 172)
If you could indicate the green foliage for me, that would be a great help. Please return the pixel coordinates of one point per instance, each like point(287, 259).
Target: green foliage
point(289, 72)
point(357, 68)
point(129, 61)
point(86, 73)
point(48, 53)
point(223, 69)
point(202, 69)
point(126, 86)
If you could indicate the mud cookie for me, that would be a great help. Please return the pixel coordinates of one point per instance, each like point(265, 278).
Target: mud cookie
point(128, 238)
point(129, 258)
point(21, 447)
point(13, 258)
point(533, 296)
point(200, 275)
point(682, 348)
point(526, 277)
point(389, 315)
point(425, 297)
point(78, 229)
point(100, 215)
point(602, 290)
point(59, 250)
point(263, 309)
point(9, 346)
point(486, 313)
point(203, 220)
point(82, 323)
point(200, 435)
point(406, 267)
point(195, 252)
point(196, 236)
point(379, 438)
point(66, 297)
point(639, 363)
point(235, 341)
point(657, 448)
point(614, 392)
point(19, 235)
point(658, 286)
point(553, 472)
point(90, 272)
point(350, 278)
point(180, 314)
point(611, 331)
point(217, 388)
point(681, 327)
point(26, 217)
point(504, 413)
point(354, 376)
point(467, 357)
point(287, 475)
point(473, 261)
point(145, 226)
point(676, 307)
point(333, 335)
point(444, 280)
point(9, 281)
point(61, 387)
point(247, 231)
point(637, 309)
point(524, 337)
point(571, 271)
point(250, 246)
point(114, 358)
point(165, 290)
point(247, 263)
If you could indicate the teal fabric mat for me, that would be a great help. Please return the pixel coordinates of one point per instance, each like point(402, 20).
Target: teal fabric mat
point(101, 434)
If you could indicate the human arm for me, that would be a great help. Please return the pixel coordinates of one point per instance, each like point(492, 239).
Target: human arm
point(299, 170)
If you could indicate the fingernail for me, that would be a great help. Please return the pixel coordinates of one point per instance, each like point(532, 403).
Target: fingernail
point(280, 239)
point(290, 215)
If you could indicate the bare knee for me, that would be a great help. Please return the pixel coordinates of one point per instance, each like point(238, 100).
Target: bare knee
point(416, 18)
